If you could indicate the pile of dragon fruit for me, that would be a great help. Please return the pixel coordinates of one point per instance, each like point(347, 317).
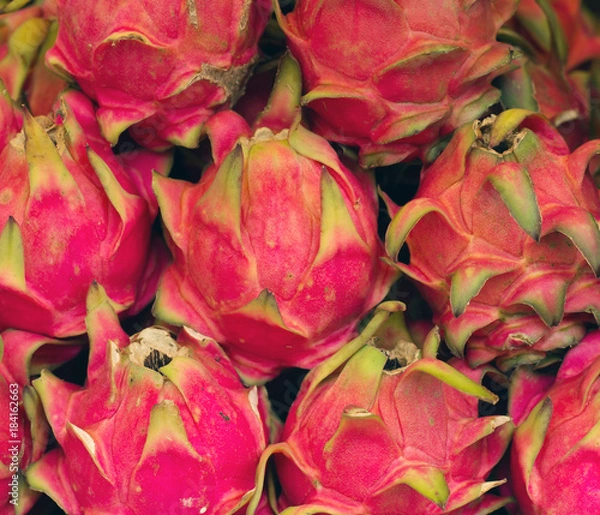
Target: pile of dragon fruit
point(311, 257)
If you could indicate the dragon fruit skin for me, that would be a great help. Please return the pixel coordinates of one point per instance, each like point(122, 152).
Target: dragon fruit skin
point(555, 455)
point(361, 440)
point(516, 245)
point(160, 426)
point(164, 67)
point(276, 291)
point(391, 77)
point(72, 212)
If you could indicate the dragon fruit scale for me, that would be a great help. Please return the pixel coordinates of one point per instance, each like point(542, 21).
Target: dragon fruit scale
point(363, 439)
point(25, 435)
point(555, 454)
point(284, 258)
point(392, 77)
point(71, 212)
point(161, 426)
point(162, 67)
point(504, 240)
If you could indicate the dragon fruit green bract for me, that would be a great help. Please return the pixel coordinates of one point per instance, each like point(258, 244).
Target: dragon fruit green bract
point(162, 66)
point(391, 77)
point(161, 426)
point(71, 212)
point(504, 241)
point(361, 440)
point(284, 258)
point(555, 454)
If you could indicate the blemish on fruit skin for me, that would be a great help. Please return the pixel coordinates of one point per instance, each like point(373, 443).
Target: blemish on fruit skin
point(224, 417)
point(6, 196)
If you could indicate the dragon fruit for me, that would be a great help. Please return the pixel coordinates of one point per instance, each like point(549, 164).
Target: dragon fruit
point(556, 41)
point(72, 212)
point(504, 241)
point(161, 426)
point(276, 291)
point(21, 35)
point(361, 439)
point(555, 454)
point(23, 439)
point(391, 77)
point(163, 67)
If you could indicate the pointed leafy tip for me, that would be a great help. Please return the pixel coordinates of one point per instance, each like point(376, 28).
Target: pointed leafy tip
point(122, 201)
point(338, 229)
point(94, 451)
point(12, 257)
point(96, 297)
point(431, 345)
point(452, 377)
point(580, 226)
point(544, 291)
point(529, 436)
point(333, 363)
point(264, 308)
point(465, 284)
point(359, 379)
point(283, 108)
point(429, 481)
point(46, 167)
point(515, 187)
point(505, 123)
point(405, 220)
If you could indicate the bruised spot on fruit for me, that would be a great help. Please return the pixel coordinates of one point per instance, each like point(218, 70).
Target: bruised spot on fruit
point(5, 196)
point(224, 417)
point(231, 80)
point(192, 12)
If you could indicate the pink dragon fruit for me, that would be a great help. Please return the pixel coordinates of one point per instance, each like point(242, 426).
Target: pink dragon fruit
point(24, 437)
point(364, 440)
point(555, 454)
point(556, 41)
point(25, 37)
point(504, 241)
point(276, 291)
point(161, 426)
point(71, 212)
point(21, 36)
point(164, 67)
point(391, 77)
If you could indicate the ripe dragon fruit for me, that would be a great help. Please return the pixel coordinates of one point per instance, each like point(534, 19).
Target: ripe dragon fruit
point(276, 291)
point(364, 440)
point(161, 426)
point(24, 437)
point(504, 241)
point(164, 67)
point(25, 37)
point(71, 212)
point(550, 78)
point(555, 454)
point(391, 77)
